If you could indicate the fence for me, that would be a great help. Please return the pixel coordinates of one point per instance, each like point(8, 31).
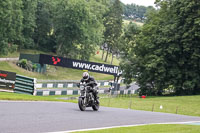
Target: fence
point(65, 84)
point(24, 85)
point(77, 92)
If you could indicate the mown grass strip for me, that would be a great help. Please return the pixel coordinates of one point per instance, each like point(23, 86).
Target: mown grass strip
point(160, 128)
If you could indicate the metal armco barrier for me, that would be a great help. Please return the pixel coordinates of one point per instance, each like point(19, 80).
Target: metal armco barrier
point(25, 85)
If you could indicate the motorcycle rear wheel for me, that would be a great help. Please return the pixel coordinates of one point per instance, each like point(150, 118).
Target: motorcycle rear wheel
point(81, 104)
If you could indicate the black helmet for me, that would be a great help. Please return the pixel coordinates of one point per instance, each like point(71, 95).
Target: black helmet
point(86, 75)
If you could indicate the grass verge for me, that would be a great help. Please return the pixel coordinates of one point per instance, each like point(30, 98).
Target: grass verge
point(185, 105)
point(23, 97)
point(161, 128)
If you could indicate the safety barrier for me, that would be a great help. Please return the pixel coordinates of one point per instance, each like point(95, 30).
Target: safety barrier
point(57, 84)
point(77, 92)
point(25, 85)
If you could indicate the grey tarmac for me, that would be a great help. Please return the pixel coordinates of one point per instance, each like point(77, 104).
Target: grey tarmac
point(42, 117)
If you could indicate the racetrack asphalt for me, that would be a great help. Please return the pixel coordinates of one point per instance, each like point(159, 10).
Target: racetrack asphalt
point(42, 117)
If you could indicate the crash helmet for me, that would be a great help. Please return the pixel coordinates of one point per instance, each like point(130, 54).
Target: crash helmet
point(86, 75)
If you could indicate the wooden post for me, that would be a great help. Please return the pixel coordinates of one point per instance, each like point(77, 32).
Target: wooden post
point(176, 109)
point(109, 101)
point(130, 104)
point(152, 107)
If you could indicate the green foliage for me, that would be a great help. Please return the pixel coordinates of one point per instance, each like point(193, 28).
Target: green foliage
point(13, 48)
point(10, 25)
point(24, 63)
point(77, 28)
point(29, 22)
point(72, 28)
point(136, 12)
point(15, 31)
point(128, 42)
point(34, 67)
point(113, 27)
point(166, 53)
point(43, 35)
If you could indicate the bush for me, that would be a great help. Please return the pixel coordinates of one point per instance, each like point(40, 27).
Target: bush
point(34, 67)
point(28, 65)
point(22, 63)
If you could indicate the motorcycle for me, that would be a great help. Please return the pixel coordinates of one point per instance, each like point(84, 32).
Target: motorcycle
point(86, 98)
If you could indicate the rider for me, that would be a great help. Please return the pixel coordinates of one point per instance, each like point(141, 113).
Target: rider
point(91, 82)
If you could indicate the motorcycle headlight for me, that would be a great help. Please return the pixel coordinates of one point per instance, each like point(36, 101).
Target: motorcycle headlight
point(82, 88)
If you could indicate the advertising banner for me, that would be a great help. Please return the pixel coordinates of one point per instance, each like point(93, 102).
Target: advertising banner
point(7, 81)
point(79, 64)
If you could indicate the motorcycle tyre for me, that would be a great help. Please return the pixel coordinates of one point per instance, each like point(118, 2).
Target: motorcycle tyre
point(95, 107)
point(81, 104)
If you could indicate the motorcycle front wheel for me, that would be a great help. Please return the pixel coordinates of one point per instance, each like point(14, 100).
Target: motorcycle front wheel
point(81, 104)
point(95, 107)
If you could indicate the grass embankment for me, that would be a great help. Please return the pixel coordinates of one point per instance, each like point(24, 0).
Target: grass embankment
point(162, 128)
point(185, 105)
point(57, 73)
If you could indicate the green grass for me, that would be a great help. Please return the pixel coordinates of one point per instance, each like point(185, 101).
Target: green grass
point(24, 97)
point(161, 128)
point(185, 105)
point(126, 22)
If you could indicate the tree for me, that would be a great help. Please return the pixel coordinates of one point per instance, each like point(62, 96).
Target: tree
point(77, 29)
point(29, 22)
point(128, 42)
point(43, 35)
point(10, 25)
point(5, 17)
point(136, 12)
point(15, 36)
point(113, 27)
point(166, 54)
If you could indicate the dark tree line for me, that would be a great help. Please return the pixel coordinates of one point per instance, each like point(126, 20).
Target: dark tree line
point(164, 56)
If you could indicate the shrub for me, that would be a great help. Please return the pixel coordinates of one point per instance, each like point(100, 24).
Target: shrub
point(28, 65)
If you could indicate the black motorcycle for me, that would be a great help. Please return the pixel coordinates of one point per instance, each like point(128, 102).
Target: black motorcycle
point(86, 98)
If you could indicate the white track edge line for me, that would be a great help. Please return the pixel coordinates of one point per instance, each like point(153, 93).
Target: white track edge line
point(89, 129)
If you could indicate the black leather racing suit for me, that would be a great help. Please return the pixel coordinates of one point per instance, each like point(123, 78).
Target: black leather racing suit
point(91, 82)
